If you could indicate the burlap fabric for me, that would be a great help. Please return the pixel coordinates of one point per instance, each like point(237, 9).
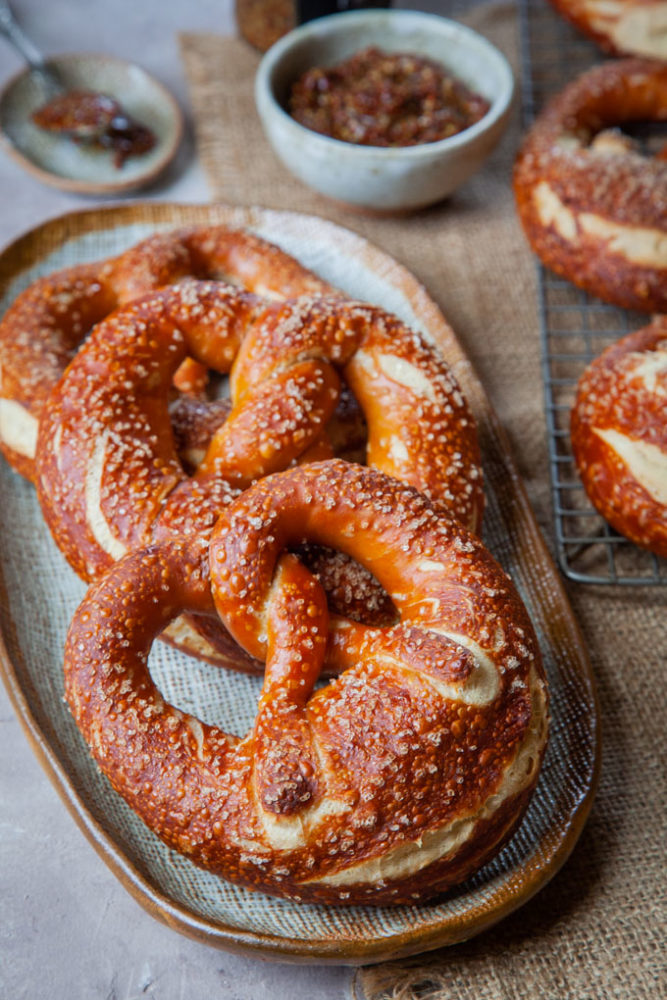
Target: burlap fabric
point(598, 929)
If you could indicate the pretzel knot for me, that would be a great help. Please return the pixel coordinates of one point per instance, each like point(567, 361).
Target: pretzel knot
point(48, 322)
point(390, 784)
point(624, 26)
point(593, 207)
point(619, 435)
point(109, 478)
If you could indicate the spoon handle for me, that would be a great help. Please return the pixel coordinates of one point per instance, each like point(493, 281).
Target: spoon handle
point(11, 29)
point(46, 76)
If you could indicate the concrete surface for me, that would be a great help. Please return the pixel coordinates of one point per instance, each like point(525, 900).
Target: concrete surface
point(68, 929)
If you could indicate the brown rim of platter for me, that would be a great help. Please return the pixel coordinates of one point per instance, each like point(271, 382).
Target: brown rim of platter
point(547, 593)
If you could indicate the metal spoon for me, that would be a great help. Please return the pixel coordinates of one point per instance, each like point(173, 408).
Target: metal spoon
point(45, 76)
point(126, 96)
point(96, 118)
point(87, 122)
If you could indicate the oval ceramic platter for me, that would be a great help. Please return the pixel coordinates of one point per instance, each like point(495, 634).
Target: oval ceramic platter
point(58, 161)
point(169, 886)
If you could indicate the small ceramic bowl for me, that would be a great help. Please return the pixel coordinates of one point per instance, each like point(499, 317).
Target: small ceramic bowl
point(373, 177)
point(59, 161)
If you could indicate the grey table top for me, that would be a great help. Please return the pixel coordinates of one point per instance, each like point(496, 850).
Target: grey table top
point(68, 929)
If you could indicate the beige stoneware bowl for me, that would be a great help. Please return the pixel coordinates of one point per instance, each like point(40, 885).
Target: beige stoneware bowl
point(372, 177)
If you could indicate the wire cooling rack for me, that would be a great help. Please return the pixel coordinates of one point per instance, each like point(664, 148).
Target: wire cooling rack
point(574, 329)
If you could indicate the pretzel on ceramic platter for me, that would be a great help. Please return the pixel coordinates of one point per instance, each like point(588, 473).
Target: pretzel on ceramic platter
point(619, 435)
point(621, 27)
point(593, 207)
point(44, 327)
point(109, 479)
point(398, 779)
point(108, 475)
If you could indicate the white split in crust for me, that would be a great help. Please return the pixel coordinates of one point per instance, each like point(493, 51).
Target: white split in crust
point(552, 212)
point(18, 428)
point(651, 370)
point(430, 566)
point(288, 833)
point(646, 462)
point(398, 370)
point(97, 522)
point(401, 371)
point(631, 26)
point(639, 245)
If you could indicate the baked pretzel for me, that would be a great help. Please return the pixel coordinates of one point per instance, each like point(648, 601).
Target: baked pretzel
point(593, 208)
point(619, 435)
point(395, 781)
point(44, 327)
point(109, 479)
point(621, 27)
point(419, 425)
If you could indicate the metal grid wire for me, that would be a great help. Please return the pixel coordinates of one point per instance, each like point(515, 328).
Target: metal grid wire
point(575, 328)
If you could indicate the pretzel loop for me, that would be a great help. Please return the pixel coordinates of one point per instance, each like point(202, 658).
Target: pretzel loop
point(419, 427)
point(109, 476)
point(391, 783)
point(48, 322)
point(593, 206)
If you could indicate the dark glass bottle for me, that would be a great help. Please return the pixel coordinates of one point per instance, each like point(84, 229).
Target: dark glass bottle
point(308, 10)
point(263, 22)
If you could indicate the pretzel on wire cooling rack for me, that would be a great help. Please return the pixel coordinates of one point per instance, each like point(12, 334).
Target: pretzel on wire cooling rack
point(621, 27)
point(593, 206)
point(619, 435)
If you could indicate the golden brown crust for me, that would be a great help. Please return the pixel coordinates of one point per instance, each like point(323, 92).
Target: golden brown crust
point(392, 783)
point(420, 429)
point(44, 327)
point(623, 27)
point(109, 477)
point(594, 213)
point(619, 435)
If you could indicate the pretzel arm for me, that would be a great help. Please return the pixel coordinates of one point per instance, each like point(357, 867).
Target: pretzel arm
point(286, 762)
point(113, 689)
point(286, 416)
point(108, 457)
point(250, 261)
point(419, 426)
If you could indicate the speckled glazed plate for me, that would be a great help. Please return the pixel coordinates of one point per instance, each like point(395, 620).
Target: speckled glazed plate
point(38, 594)
point(62, 163)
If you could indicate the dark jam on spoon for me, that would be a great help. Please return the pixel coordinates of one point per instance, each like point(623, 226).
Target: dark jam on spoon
point(96, 120)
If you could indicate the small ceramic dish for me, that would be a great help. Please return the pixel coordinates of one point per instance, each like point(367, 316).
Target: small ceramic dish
point(59, 161)
point(373, 177)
